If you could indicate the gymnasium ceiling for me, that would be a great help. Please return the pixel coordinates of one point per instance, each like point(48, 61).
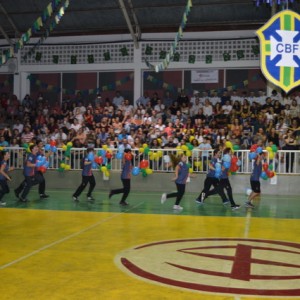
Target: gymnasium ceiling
point(103, 17)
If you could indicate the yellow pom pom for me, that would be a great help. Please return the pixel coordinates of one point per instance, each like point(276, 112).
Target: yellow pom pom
point(145, 145)
point(107, 173)
point(190, 170)
point(62, 165)
point(64, 147)
point(69, 144)
point(141, 150)
point(188, 153)
point(103, 169)
point(104, 147)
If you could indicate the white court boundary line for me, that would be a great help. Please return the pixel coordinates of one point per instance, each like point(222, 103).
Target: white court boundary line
point(65, 238)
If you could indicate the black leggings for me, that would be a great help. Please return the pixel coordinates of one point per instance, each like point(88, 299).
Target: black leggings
point(4, 188)
point(225, 184)
point(85, 181)
point(179, 194)
point(29, 182)
point(215, 182)
point(125, 190)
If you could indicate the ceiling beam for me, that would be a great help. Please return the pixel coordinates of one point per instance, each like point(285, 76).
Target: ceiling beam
point(6, 36)
point(130, 27)
point(17, 32)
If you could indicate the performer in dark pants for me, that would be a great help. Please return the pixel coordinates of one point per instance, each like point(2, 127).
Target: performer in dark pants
point(212, 180)
point(181, 176)
point(87, 176)
point(4, 177)
point(31, 176)
point(225, 183)
point(125, 177)
point(254, 180)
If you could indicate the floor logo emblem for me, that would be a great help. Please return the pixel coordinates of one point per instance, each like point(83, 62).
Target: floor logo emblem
point(226, 265)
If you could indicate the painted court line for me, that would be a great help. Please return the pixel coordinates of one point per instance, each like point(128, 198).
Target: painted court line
point(65, 238)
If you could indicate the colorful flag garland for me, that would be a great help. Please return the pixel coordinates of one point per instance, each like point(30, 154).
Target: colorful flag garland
point(171, 53)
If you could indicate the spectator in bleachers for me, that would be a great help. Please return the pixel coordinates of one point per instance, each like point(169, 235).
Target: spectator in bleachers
point(183, 98)
point(168, 100)
point(27, 135)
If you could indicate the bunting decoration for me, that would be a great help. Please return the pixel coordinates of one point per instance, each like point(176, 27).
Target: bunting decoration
point(38, 56)
point(226, 56)
point(162, 54)
point(240, 54)
point(124, 51)
point(271, 2)
point(176, 56)
point(255, 50)
point(55, 59)
point(106, 55)
point(192, 59)
point(168, 86)
point(73, 59)
point(40, 22)
point(109, 87)
point(164, 64)
point(90, 59)
point(208, 59)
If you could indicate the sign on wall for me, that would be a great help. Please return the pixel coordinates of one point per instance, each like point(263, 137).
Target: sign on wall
point(280, 50)
point(205, 76)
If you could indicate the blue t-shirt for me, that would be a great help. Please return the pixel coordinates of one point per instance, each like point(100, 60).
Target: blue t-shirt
point(126, 170)
point(30, 171)
point(4, 163)
point(256, 172)
point(86, 169)
point(224, 173)
point(183, 173)
point(211, 173)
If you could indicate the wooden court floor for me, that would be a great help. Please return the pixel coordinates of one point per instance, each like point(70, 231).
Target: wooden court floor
point(58, 249)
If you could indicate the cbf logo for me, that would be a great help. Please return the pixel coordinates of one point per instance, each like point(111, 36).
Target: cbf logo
point(280, 49)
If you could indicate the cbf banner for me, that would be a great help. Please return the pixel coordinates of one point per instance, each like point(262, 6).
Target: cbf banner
point(280, 49)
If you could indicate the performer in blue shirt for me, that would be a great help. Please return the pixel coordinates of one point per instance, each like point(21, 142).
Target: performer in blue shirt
point(87, 176)
point(212, 180)
point(254, 180)
point(31, 176)
point(181, 176)
point(225, 183)
point(4, 177)
point(125, 178)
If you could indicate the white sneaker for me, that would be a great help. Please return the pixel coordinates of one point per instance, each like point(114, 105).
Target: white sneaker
point(177, 207)
point(163, 198)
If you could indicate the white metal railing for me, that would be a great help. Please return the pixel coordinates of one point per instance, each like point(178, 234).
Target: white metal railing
point(284, 161)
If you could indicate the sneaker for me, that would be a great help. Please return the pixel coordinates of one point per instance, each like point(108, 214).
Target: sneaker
point(75, 198)
point(177, 207)
point(110, 195)
point(202, 197)
point(123, 203)
point(43, 196)
point(163, 198)
point(235, 207)
point(199, 201)
point(23, 199)
point(2, 203)
point(16, 194)
point(90, 198)
point(225, 202)
point(249, 204)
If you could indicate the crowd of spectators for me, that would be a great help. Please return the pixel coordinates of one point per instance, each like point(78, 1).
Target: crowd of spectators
point(205, 120)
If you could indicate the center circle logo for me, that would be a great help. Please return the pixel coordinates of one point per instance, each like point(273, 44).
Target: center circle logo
point(218, 265)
